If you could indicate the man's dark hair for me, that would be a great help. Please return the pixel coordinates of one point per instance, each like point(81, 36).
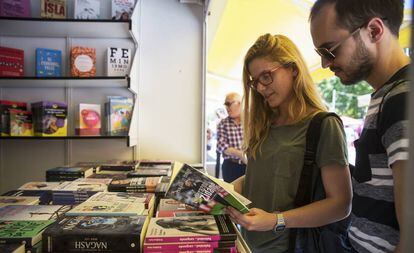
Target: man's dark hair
point(352, 14)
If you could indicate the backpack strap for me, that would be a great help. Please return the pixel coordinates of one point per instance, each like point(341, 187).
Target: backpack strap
point(304, 192)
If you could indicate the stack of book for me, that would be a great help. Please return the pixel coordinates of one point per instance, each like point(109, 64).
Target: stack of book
point(206, 233)
point(78, 191)
point(67, 173)
point(32, 212)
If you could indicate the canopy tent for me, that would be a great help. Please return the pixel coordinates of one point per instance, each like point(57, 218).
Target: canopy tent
point(234, 25)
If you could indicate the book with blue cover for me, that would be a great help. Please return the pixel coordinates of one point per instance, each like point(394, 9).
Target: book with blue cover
point(48, 62)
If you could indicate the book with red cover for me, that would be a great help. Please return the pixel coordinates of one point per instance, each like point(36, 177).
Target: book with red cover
point(15, 8)
point(11, 62)
point(53, 9)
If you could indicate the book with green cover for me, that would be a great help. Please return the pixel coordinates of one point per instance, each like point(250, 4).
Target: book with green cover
point(26, 232)
point(207, 193)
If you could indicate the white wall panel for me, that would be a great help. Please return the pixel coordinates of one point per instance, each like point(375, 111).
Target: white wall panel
point(170, 86)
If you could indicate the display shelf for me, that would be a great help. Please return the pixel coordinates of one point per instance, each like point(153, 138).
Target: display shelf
point(65, 82)
point(36, 27)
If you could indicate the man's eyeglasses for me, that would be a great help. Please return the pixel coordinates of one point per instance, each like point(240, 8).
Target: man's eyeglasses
point(228, 104)
point(328, 53)
point(265, 78)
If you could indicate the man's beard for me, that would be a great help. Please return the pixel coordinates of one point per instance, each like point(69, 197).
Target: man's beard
point(360, 65)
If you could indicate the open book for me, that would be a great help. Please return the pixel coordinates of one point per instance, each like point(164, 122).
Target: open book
point(207, 193)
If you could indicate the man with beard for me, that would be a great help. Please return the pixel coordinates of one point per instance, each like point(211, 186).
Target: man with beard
point(358, 40)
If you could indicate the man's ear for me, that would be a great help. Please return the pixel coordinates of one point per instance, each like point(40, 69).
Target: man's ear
point(376, 29)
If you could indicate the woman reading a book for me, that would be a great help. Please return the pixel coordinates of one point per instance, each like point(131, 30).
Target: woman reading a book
point(280, 99)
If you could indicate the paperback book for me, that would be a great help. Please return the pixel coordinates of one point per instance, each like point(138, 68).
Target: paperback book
point(83, 62)
point(21, 123)
point(174, 208)
point(25, 232)
point(68, 173)
point(32, 212)
point(53, 9)
point(204, 192)
point(110, 204)
point(118, 61)
point(48, 62)
point(206, 228)
point(122, 9)
point(89, 119)
point(50, 118)
point(11, 62)
point(5, 107)
point(124, 166)
point(118, 111)
point(18, 200)
point(137, 184)
point(15, 8)
point(94, 233)
point(87, 9)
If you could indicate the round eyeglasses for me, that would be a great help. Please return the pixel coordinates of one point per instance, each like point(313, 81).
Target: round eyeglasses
point(265, 78)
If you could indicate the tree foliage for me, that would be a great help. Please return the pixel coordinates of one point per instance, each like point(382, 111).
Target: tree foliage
point(346, 96)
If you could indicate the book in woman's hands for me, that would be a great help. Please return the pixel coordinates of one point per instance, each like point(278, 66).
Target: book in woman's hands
point(207, 193)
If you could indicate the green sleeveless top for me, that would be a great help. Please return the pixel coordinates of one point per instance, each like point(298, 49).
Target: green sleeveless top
point(272, 178)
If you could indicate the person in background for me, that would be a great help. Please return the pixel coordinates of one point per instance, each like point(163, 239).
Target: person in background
point(280, 100)
point(230, 139)
point(358, 40)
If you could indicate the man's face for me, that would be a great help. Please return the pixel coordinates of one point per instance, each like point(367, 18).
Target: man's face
point(232, 104)
point(353, 61)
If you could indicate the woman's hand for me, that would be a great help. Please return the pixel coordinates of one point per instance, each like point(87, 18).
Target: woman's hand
point(256, 220)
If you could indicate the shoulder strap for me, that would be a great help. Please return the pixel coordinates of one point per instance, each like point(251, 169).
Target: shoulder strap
point(304, 192)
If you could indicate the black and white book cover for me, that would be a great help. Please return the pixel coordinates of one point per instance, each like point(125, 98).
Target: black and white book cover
point(118, 61)
point(94, 234)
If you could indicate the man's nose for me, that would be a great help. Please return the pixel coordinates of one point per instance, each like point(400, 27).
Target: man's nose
point(325, 62)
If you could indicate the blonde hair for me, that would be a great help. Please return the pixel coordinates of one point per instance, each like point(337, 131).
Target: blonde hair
point(257, 115)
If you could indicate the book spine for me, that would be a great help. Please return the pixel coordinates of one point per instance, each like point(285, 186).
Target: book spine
point(212, 238)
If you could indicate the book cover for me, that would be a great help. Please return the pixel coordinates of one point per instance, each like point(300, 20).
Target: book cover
point(39, 186)
point(204, 228)
point(25, 232)
point(118, 61)
point(12, 248)
point(21, 123)
point(15, 8)
point(5, 107)
point(83, 61)
point(18, 200)
point(32, 212)
point(11, 62)
point(174, 208)
point(89, 119)
point(50, 118)
point(71, 171)
point(204, 192)
point(119, 113)
point(90, 185)
point(48, 62)
point(87, 9)
point(110, 204)
point(122, 9)
point(94, 233)
point(53, 9)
